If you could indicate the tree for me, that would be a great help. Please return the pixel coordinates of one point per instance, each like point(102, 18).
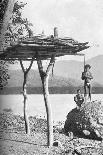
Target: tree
point(6, 8)
point(17, 28)
point(44, 78)
point(3, 74)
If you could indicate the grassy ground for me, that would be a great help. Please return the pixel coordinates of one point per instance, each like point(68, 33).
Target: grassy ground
point(14, 141)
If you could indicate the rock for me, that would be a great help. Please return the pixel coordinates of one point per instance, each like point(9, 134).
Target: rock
point(86, 121)
point(86, 132)
point(100, 120)
point(97, 133)
point(58, 144)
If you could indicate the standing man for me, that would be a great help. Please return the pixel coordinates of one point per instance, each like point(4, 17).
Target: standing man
point(87, 76)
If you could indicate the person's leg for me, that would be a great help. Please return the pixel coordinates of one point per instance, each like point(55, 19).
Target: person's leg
point(78, 107)
point(85, 90)
point(89, 87)
point(86, 93)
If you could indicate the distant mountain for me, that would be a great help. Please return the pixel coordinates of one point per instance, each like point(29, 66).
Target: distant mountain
point(66, 74)
point(16, 80)
point(97, 64)
point(73, 69)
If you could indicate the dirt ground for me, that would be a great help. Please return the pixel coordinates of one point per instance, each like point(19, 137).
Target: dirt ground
point(14, 141)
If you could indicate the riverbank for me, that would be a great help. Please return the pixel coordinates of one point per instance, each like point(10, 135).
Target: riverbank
point(14, 141)
point(61, 104)
point(52, 90)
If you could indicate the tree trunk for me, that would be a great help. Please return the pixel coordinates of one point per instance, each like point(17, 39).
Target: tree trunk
point(48, 111)
point(4, 24)
point(45, 77)
point(27, 128)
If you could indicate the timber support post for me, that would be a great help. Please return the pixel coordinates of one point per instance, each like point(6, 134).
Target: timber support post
point(25, 71)
point(44, 78)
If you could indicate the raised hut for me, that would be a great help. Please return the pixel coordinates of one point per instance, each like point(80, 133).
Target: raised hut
point(39, 48)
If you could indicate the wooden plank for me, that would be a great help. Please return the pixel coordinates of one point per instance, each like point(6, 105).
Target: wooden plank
point(42, 55)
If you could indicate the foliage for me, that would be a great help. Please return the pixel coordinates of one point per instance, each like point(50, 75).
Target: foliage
point(7, 110)
point(18, 27)
point(3, 74)
point(3, 5)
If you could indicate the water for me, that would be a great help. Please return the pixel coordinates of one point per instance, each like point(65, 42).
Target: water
point(61, 104)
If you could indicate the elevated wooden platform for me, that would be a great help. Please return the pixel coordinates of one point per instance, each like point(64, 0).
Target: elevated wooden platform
point(42, 46)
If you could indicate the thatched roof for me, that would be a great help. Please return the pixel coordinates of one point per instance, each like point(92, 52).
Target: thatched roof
point(44, 47)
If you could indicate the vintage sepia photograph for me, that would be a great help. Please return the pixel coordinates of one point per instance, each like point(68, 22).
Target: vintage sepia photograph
point(51, 77)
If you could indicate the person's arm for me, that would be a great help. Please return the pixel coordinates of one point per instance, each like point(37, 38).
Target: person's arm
point(75, 98)
point(83, 76)
point(89, 75)
point(82, 98)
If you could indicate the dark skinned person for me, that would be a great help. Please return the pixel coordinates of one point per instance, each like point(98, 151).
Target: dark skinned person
point(79, 99)
point(87, 77)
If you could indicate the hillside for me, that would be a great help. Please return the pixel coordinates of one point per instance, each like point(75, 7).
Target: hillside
point(73, 69)
point(66, 73)
point(66, 78)
point(34, 80)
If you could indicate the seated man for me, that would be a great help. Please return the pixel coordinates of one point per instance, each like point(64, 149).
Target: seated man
point(87, 76)
point(79, 99)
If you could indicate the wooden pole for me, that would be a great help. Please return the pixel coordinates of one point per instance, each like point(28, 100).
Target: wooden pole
point(85, 94)
point(6, 19)
point(27, 128)
point(45, 77)
point(55, 32)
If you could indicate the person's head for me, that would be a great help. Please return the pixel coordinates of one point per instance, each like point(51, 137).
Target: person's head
point(87, 67)
point(78, 91)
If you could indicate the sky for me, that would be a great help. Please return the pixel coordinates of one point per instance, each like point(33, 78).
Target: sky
point(81, 20)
